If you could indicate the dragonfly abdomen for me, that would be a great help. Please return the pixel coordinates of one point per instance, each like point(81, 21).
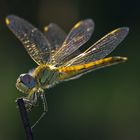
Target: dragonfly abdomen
point(85, 66)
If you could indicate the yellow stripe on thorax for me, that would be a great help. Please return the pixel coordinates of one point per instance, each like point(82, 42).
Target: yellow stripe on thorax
point(7, 21)
point(85, 66)
point(39, 69)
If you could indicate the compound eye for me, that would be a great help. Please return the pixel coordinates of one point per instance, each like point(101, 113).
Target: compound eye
point(28, 80)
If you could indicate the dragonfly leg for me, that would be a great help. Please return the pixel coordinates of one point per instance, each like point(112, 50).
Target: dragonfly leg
point(28, 104)
point(45, 109)
point(30, 101)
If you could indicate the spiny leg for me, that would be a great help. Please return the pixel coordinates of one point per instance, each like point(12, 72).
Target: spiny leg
point(30, 101)
point(45, 109)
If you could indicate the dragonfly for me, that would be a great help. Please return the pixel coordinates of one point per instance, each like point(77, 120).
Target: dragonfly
point(59, 57)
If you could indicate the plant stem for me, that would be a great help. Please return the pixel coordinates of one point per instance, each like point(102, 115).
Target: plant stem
point(24, 118)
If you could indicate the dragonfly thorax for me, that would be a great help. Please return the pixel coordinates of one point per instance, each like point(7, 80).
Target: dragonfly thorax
point(46, 76)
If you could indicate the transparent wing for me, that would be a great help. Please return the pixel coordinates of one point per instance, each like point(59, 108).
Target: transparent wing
point(33, 40)
point(101, 48)
point(55, 36)
point(79, 34)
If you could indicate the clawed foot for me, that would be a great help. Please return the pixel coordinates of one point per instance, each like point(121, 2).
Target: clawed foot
point(28, 104)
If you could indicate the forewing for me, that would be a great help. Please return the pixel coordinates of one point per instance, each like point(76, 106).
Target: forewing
point(101, 48)
point(55, 35)
point(79, 35)
point(33, 40)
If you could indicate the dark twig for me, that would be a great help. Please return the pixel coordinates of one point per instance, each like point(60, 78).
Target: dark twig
point(24, 118)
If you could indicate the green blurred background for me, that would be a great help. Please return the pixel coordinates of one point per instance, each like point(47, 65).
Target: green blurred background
point(102, 105)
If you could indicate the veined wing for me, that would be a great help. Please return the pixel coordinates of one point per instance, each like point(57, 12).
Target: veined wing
point(55, 35)
point(33, 40)
point(73, 72)
point(79, 35)
point(101, 48)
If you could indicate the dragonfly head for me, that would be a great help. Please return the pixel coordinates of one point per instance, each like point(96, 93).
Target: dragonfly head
point(25, 83)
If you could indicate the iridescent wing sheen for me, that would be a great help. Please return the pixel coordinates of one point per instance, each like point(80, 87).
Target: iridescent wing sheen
point(55, 35)
point(33, 40)
point(79, 35)
point(101, 48)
